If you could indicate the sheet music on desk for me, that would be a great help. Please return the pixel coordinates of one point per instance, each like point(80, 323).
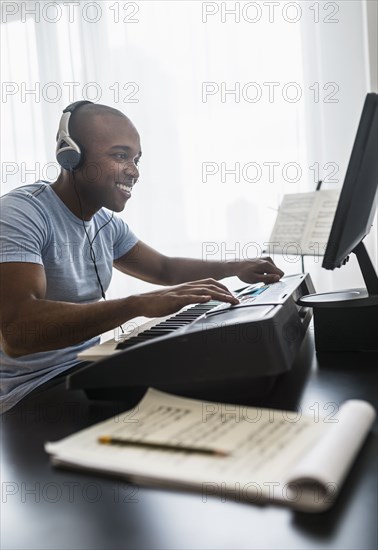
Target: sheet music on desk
point(304, 222)
point(262, 449)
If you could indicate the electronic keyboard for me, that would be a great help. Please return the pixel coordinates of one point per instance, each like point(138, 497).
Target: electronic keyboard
point(204, 344)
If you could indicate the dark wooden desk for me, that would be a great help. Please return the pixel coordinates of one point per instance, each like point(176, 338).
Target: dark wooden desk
point(43, 507)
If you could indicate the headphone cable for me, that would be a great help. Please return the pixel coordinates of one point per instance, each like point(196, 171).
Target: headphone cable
point(91, 249)
point(90, 242)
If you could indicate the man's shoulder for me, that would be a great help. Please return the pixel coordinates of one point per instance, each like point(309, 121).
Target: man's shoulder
point(104, 216)
point(27, 201)
point(117, 230)
point(28, 194)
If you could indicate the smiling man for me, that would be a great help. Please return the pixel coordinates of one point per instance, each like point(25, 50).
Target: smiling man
point(60, 241)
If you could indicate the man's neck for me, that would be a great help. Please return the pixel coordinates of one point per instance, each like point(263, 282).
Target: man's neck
point(67, 190)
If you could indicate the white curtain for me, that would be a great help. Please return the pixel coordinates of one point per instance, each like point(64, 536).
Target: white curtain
point(230, 99)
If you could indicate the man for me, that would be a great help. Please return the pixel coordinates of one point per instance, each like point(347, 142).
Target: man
point(58, 245)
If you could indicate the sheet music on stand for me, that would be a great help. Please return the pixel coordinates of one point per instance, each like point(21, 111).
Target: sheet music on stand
point(304, 223)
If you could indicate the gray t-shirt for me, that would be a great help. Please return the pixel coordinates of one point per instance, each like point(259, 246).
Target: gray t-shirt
point(37, 227)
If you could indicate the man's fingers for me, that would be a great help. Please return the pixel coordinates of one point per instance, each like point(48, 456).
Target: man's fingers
point(209, 286)
point(194, 299)
point(277, 271)
point(210, 282)
point(269, 267)
point(214, 293)
point(268, 278)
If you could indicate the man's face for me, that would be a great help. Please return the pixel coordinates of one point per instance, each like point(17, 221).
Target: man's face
point(112, 152)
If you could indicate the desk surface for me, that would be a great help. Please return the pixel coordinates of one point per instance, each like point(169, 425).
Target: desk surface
point(43, 507)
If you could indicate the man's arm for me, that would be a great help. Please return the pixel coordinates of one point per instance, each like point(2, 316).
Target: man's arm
point(30, 323)
point(144, 262)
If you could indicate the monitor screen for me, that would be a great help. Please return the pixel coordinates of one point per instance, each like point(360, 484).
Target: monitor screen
point(357, 202)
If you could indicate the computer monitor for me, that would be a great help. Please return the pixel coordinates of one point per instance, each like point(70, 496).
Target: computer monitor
point(355, 210)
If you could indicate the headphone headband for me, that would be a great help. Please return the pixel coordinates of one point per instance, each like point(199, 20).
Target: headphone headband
point(73, 106)
point(68, 152)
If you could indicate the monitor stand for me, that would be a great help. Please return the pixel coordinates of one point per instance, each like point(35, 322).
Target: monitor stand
point(347, 320)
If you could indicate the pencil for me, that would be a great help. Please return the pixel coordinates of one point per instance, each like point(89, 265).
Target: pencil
point(109, 440)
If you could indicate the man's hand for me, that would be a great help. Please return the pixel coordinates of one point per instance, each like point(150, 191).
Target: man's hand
point(259, 270)
point(160, 303)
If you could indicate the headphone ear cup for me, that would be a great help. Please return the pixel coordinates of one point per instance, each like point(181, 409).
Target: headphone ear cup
point(68, 152)
point(68, 156)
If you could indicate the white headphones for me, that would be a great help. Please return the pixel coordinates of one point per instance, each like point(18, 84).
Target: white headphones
point(68, 153)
